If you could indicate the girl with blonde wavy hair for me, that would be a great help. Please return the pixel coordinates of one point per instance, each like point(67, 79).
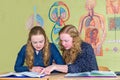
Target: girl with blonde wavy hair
point(78, 55)
point(37, 53)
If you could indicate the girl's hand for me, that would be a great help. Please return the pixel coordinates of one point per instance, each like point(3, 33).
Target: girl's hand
point(48, 69)
point(36, 69)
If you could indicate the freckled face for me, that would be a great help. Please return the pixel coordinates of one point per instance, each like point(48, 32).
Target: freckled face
point(66, 40)
point(38, 42)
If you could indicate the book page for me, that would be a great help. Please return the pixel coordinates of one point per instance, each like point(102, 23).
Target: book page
point(10, 74)
point(32, 74)
point(23, 74)
point(92, 74)
point(77, 74)
point(103, 73)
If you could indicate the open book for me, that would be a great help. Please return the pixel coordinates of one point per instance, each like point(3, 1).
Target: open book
point(23, 74)
point(92, 74)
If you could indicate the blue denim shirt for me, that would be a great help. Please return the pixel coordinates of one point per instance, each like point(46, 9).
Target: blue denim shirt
point(85, 61)
point(38, 58)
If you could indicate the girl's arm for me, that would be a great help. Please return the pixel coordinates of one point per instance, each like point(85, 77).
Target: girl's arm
point(19, 64)
point(60, 68)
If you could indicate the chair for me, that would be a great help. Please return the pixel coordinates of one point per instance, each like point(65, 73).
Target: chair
point(103, 68)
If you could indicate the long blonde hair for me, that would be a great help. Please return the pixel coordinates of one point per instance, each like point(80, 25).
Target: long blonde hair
point(70, 55)
point(37, 30)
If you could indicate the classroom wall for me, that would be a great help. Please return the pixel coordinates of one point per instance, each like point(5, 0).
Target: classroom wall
point(14, 15)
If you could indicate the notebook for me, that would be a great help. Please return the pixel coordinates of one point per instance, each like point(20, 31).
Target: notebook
point(23, 74)
point(92, 74)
